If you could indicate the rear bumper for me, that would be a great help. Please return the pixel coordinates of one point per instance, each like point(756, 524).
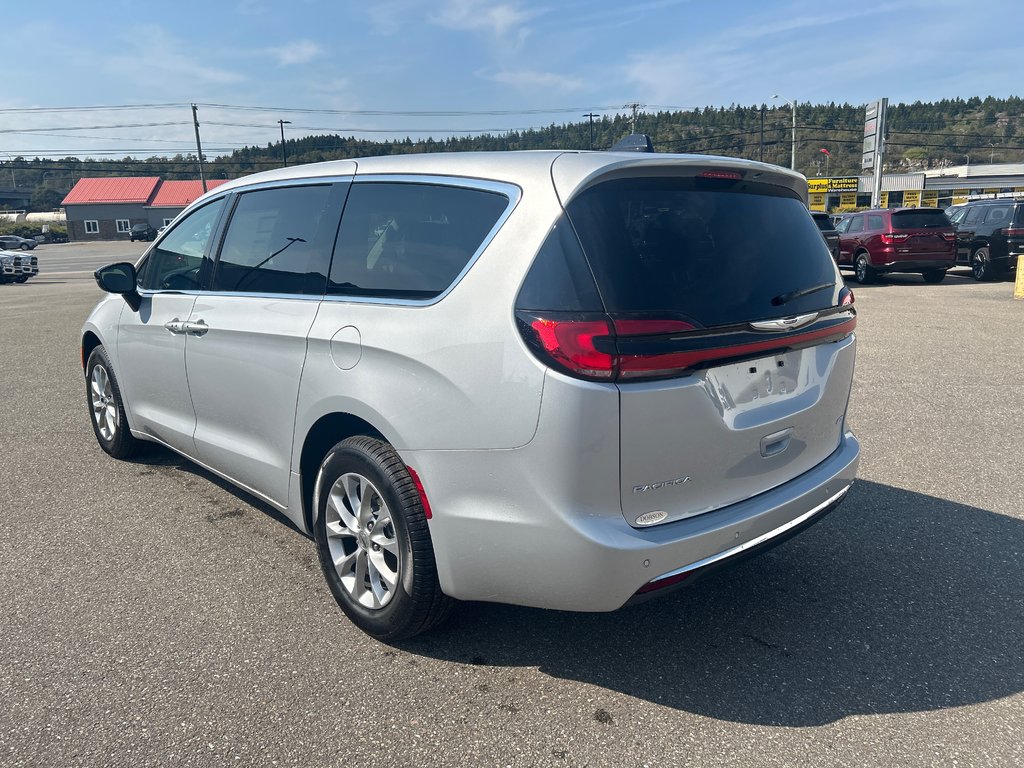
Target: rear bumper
point(917, 265)
point(532, 551)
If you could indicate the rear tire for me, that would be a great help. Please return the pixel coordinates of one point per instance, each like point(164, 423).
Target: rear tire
point(934, 276)
point(373, 541)
point(106, 408)
point(865, 273)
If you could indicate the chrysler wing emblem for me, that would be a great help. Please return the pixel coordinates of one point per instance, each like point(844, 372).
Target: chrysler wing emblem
point(785, 323)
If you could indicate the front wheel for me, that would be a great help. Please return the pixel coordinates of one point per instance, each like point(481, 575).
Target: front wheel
point(865, 273)
point(373, 541)
point(934, 275)
point(109, 422)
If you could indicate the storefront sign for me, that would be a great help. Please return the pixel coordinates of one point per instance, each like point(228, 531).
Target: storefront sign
point(912, 198)
point(960, 196)
point(848, 200)
point(816, 202)
point(930, 198)
point(837, 184)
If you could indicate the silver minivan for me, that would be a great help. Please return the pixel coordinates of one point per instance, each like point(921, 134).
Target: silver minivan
point(569, 380)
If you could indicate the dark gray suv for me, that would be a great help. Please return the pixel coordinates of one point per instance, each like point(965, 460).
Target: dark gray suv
point(990, 237)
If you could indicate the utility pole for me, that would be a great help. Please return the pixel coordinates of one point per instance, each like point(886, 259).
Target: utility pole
point(760, 146)
point(199, 146)
point(632, 121)
point(591, 115)
point(284, 150)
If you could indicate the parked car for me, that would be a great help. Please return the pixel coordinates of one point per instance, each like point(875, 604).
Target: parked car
point(141, 232)
point(990, 237)
point(17, 267)
point(563, 380)
point(828, 232)
point(956, 212)
point(897, 240)
point(11, 242)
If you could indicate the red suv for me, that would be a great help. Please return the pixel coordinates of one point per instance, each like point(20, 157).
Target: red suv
point(898, 240)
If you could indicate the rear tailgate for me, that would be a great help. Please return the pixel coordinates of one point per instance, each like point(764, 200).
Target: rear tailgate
point(923, 233)
point(747, 385)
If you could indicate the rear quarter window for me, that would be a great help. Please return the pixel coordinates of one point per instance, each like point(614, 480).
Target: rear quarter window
point(711, 252)
point(409, 240)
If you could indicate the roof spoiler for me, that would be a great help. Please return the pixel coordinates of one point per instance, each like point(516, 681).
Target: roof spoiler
point(635, 142)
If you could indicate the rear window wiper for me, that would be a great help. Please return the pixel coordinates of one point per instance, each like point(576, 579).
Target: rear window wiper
point(784, 298)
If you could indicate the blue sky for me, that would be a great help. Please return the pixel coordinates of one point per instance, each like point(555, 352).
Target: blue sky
point(516, 58)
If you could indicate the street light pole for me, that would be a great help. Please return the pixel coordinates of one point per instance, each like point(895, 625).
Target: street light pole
point(792, 105)
point(284, 151)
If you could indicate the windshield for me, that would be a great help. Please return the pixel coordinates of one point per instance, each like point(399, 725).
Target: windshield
point(713, 252)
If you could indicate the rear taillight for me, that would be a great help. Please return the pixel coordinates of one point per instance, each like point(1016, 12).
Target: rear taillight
point(846, 297)
point(950, 236)
point(1013, 232)
point(889, 238)
point(600, 348)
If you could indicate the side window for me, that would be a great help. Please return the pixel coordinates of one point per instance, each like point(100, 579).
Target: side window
point(874, 222)
point(406, 240)
point(279, 240)
point(974, 215)
point(174, 264)
point(843, 226)
point(856, 224)
point(997, 215)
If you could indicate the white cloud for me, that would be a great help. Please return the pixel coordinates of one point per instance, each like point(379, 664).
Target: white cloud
point(152, 56)
point(499, 19)
point(296, 52)
point(530, 79)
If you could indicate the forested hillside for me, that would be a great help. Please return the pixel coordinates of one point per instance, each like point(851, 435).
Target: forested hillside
point(921, 135)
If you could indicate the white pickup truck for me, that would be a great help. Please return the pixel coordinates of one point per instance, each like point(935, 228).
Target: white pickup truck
point(17, 267)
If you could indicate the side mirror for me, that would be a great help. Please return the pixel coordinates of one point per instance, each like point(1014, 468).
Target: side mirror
point(119, 278)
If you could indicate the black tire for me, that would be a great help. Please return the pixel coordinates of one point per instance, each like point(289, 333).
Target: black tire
point(982, 267)
point(23, 247)
point(22, 279)
point(118, 442)
point(934, 276)
point(416, 603)
point(863, 270)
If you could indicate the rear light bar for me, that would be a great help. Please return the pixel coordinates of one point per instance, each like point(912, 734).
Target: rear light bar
point(1013, 232)
point(600, 348)
point(730, 175)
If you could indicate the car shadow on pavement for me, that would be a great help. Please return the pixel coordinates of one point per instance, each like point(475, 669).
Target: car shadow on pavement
point(897, 602)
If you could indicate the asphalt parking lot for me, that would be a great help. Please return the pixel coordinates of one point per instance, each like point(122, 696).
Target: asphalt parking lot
point(154, 616)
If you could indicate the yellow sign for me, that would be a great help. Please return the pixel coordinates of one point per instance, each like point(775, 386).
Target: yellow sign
point(837, 184)
point(993, 191)
point(960, 196)
point(912, 198)
point(883, 201)
point(1018, 288)
point(848, 200)
point(816, 202)
point(930, 198)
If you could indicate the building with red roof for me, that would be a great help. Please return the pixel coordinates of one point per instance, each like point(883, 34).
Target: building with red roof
point(107, 208)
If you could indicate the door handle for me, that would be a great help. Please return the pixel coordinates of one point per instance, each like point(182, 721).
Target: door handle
point(175, 326)
point(198, 328)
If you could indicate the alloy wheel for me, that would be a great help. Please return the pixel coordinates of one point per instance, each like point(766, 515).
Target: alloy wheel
point(104, 407)
point(362, 541)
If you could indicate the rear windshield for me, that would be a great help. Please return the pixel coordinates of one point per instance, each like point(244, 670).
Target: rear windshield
point(922, 219)
point(714, 252)
point(824, 223)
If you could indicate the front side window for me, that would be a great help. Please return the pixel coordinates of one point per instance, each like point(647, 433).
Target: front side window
point(279, 240)
point(174, 264)
point(92, 227)
point(974, 214)
point(124, 226)
point(409, 241)
point(842, 226)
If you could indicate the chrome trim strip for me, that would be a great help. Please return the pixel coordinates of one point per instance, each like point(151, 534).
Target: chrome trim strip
point(755, 541)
